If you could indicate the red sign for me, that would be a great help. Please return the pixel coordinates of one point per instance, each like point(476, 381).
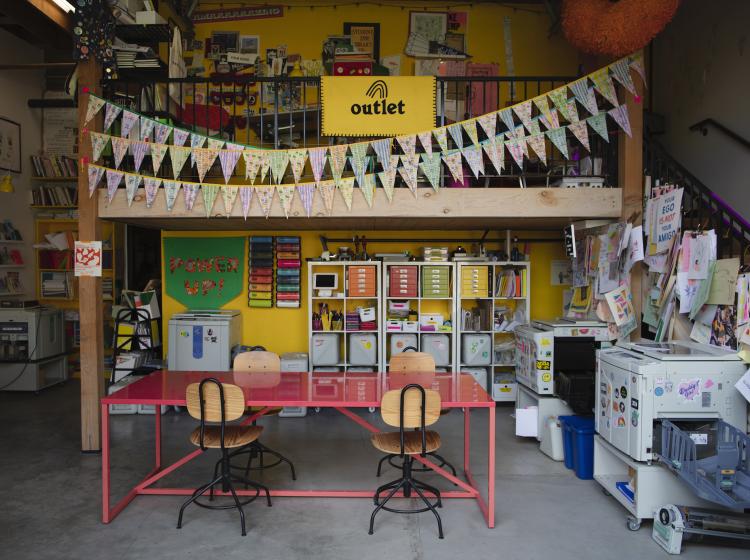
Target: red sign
point(234, 14)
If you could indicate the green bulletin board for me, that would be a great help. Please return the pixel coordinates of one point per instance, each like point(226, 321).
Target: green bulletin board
point(204, 272)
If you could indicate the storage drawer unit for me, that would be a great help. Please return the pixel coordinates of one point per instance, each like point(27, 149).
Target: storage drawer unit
point(475, 281)
point(402, 281)
point(362, 281)
point(436, 281)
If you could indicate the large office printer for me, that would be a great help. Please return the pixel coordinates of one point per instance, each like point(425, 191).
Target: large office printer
point(202, 340)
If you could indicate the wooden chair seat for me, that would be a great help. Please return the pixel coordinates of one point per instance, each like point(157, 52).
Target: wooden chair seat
point(390, 442)
point(234, 436)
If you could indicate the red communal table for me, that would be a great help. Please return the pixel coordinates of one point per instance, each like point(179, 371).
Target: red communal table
point(341, 391)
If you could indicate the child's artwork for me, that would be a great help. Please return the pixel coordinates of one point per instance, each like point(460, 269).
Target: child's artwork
point(621, 305)
point(723, 327)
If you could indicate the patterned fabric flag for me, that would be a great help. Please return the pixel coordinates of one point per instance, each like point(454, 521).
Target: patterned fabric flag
point(94, 106)
point(523, 110)
point(592, 100)
point(265, 164)
point(368, 189)
point(471, 129)
point(252, 164)
point(228, 159)
point(95, 175)
point(209, 193)
point(455, 165)
point(441, 135)
point(495, 150)
point(558, 138)
point(388, 177)
point(358, 160)
point(580, 91)
point(178, 155)
point(204, 159)
point(516, 149)
point(621, 73)
point(229, 195)
point(383, 150)
point(550, 119)
point(171, 190)
point(620, 114)
point(537, 143)
point(637, 63)
point(346, 188)
point(179, 136)
point(488, 123)
point(337, 159)
point(473, 156)
point(265, 198)
point(151, 184)
point(190, 193)
point(286, 196)
point(457, 135)
point(506, 115)
point(110, 114)
point(279, 162)
point(317, 162)
point(425, 138)
point(246, 195)
point(431, 167)
point(572, 111)
point(327, 189)
point(408, 143)
point(542, 103)
point(147, 127)
point(215, 143)
point(306, 192)
point(408, 169)
point(559, 98)
point(119, 149)
point(161, 133)
point(113, 181)
point(533, 126)
point(196, 141)
point(603, 84)
point(580, 131)
point(98, 143)
point(158, 151)
point(139, 150)
point(599, 123)
point(128, 121)
point(132, 180)
point(297, 159)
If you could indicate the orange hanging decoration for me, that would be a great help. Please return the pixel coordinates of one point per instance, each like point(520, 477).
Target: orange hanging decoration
point(615, 28)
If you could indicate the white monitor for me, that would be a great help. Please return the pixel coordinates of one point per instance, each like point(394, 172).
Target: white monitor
point(325, 283)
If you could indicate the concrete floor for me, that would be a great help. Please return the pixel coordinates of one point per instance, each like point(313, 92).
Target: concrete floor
point(51, 497)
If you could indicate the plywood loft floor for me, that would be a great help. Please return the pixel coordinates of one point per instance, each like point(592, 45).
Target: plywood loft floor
point(51, 497)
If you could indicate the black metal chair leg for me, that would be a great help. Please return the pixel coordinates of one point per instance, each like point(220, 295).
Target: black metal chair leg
point(250, 456)
point(263, 450)
point(380, 463)
point(429, 488)
point(239, 505)
point(384, 487)
point(432, 509)
point(380, 506)
point(197, 494)
point(260, 487)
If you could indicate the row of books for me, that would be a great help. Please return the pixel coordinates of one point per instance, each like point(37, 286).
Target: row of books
point(54, 195)
point(10, 283)
point(54, 166)
point(57, 285)
point(511, 283)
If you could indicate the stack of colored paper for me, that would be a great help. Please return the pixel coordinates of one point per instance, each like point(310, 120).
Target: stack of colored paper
point(288, 266)
point(260, 272)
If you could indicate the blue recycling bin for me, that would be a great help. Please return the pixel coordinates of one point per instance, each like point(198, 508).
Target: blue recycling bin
point(578, 444)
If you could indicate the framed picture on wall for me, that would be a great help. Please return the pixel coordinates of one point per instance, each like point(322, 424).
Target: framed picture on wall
point(10, 145)
point(227, 41)
point(250, 44)
point(431, 25)
point(365, 37)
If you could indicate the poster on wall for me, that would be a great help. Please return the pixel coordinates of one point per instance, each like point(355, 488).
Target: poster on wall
point(88, 258)
point(365, 37)
point(203, 272)
point(10, 145)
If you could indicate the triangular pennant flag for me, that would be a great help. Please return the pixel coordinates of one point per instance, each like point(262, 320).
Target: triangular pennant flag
point(455, 165)
point(246, 195)
point(558, 138)
point(95, 175)
point(158, 151)
point(139, 150)
point(132, 180)
point(327, 190)
point(550, 119)
point(113, 181)
point(265, 198)
point(279, 162)
point(98, 142)
point(388, 177)
point(306, 192)
point(196, 141)
point(110, 114)
point(580, 91)
point(408, 143)
point(431, 167)
point(286, 196)
point(473, 156)
point(178, 155)
point(229, 195)
point(383, 149)
point(358, 160)
point(470, 127)
point(171, 190)
point(129, 119)
point(516, 148)
point(524, 146)
point(119, 149)
point(190, 193)
point(523, 110)
point(228, 159)
point(215, 143)
point(533, 126)
point(408, 169)
point(252, 164)
point(592, 101)
point(425, 138)
point(346, 187)
point(559, 98)
point(603, 84)
point(161, 133)
point(297, 159)
point(572, 112)
point(620, 114)
point(637, 63)
point(337, 159)
point(368, 189)
point(359, 174)
point(537, 143)
point(488, 123)
point(151, 184)
point(441, 135)
point(204, 159)
point(457, 135)
point(580, 131)
point(94, 106)
point(599, 123)
point(265, 164)
point(506, 115)
point(621, 73)
point(317, 162)
point(542, 103)
point(495, 150)
point(179, 136)
point(147, 127)
point(209, 193)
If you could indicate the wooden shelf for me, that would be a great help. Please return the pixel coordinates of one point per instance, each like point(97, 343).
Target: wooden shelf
point(11, 241)
point(60, 179)
point(12, 265)
point(43, 207)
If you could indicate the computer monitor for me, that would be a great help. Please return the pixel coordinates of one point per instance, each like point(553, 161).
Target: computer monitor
point(325, 283)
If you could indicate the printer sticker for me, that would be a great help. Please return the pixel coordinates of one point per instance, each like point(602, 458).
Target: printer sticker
point(634, 418)
point(699, 439)
point(659, 391)
point(690, 389)
point(197, 342)
point(708, 384)
point(634, 404)
point(621, 422)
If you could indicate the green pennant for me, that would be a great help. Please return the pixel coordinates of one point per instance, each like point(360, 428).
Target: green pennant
point(599, 123)
point(432, 166)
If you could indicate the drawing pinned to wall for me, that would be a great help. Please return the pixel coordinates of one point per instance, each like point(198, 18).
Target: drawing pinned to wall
point(224, 41)
point(723, 327)
point(365, 37)
point(561, 273)
point(429, 25)
point(250, 44)
point(10, 145)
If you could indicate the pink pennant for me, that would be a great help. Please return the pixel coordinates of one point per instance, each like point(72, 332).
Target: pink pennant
point(161, 133)
point(128, 120)
point(139, 152)
point(580, 131)
point(317, 162)
point(539, 146)
point(306, 194)
point(179, 136)
point(95, 175)
point(151, 185)
point(110, 114)
point(190, 192)
point(246, 195)
point(620, 114)
point(228, 159)
point(113, 181)
point(119, 149)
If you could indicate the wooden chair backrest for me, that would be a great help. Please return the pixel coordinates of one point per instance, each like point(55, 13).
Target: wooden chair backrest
point(257, 361)
point(234, 402)
point(390, 408)
point(412, 362)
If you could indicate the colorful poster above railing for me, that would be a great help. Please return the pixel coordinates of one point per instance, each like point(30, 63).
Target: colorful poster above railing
point(382, 106)
point(204, 273)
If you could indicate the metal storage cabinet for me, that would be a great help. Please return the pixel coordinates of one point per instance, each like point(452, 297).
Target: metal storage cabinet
point(203, 340)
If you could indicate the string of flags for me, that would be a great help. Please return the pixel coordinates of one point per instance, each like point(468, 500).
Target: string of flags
point(570, 103)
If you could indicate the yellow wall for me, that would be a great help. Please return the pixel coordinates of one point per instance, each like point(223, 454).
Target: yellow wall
point(286, 330)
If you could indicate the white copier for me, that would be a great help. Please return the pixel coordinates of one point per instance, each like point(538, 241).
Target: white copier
point(202, 340)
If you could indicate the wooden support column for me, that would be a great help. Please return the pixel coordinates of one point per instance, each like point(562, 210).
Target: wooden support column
point(630, 170)
point(89, 288)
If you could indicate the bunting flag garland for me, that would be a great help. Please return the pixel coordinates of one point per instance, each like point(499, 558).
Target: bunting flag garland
point(306, 193)
point(358, 160)
point(383, 150)
point(408, 143)
point(190, 193)
point(431, 167)
point(337, 160)
point(516, 148)
point(179, 136)
point(637, 64)
point(550, 119)
point(171, 190)
point(95, 105)
point(457, 135)
point(129, 118)
point(228, 159)
point(408, 169)
point(537, 143)
point(388, 177)
point(441, 135)
point(506, 115)
point(580, 131)
point(147, 128)
point(204, 159)
point(368, 188)
point(592, 106)
point(178, 155)
point(246, 195)
point(208, 192)
point(265, 165)
point(158, 151)
point(196, 141)
point(620, 114)
point(603, 84)
point(533, 127)
point(229, 195)
point(559, 98)
point(317, 162)
point(265, 198)
point(523, 110)
point(621, 73)
point(572, 112)
point(495, 150)
point(161, 133)
point(346, 188)
point(425, 138)
point(151, 184)
point(132, 180)
point(111, 112)
point(252, 164)
point(542, 103)
point(599, 123)
point(580, 91)
point(286, 196)
point(279, 162)
point(297, 159)
point(113, 181)
point(215, 143)
point(488, 123)
point(473, 156)
point(470, 127)
point(98, 143)
point(560, 141)
point(327, 190)
point(95, 175)
point(139, 150)
point(455, 165)
point(119, 149)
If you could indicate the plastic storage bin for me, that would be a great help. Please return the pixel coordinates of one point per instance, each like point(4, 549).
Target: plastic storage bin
point(325, 349)
point(401, 341)
point(439, 345)
point(478, 373)
point(293, 361)
point(578, 444)
point(552, 439)
point(476, 349)
point(363, 349)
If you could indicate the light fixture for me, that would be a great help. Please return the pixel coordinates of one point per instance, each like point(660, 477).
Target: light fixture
point(6, 184)
point(65, 6)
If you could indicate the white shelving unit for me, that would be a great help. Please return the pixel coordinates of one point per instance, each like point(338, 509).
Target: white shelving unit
point(423, 302)
point(343, 300)
point(479, 286)
point(10, 267)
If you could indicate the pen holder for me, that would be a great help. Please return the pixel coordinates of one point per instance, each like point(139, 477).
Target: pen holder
point(337, 325)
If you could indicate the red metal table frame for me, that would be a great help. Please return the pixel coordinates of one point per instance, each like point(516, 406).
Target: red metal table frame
point(341, 391)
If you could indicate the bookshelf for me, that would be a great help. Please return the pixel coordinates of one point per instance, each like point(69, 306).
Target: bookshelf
point(11, 264)
point(54, 193)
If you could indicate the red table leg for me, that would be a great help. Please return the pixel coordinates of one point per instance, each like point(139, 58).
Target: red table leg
point(157, 435)
point(491, 470)
point(467, 438)
point(105, 463)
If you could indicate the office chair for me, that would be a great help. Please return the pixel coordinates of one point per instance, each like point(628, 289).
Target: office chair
point(257, 360)
point(212, 401)
point(410, 407)
point(411, 361)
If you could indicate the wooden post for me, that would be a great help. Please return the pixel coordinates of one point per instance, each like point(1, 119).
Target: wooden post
point(89, 288)
point(630, 171)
